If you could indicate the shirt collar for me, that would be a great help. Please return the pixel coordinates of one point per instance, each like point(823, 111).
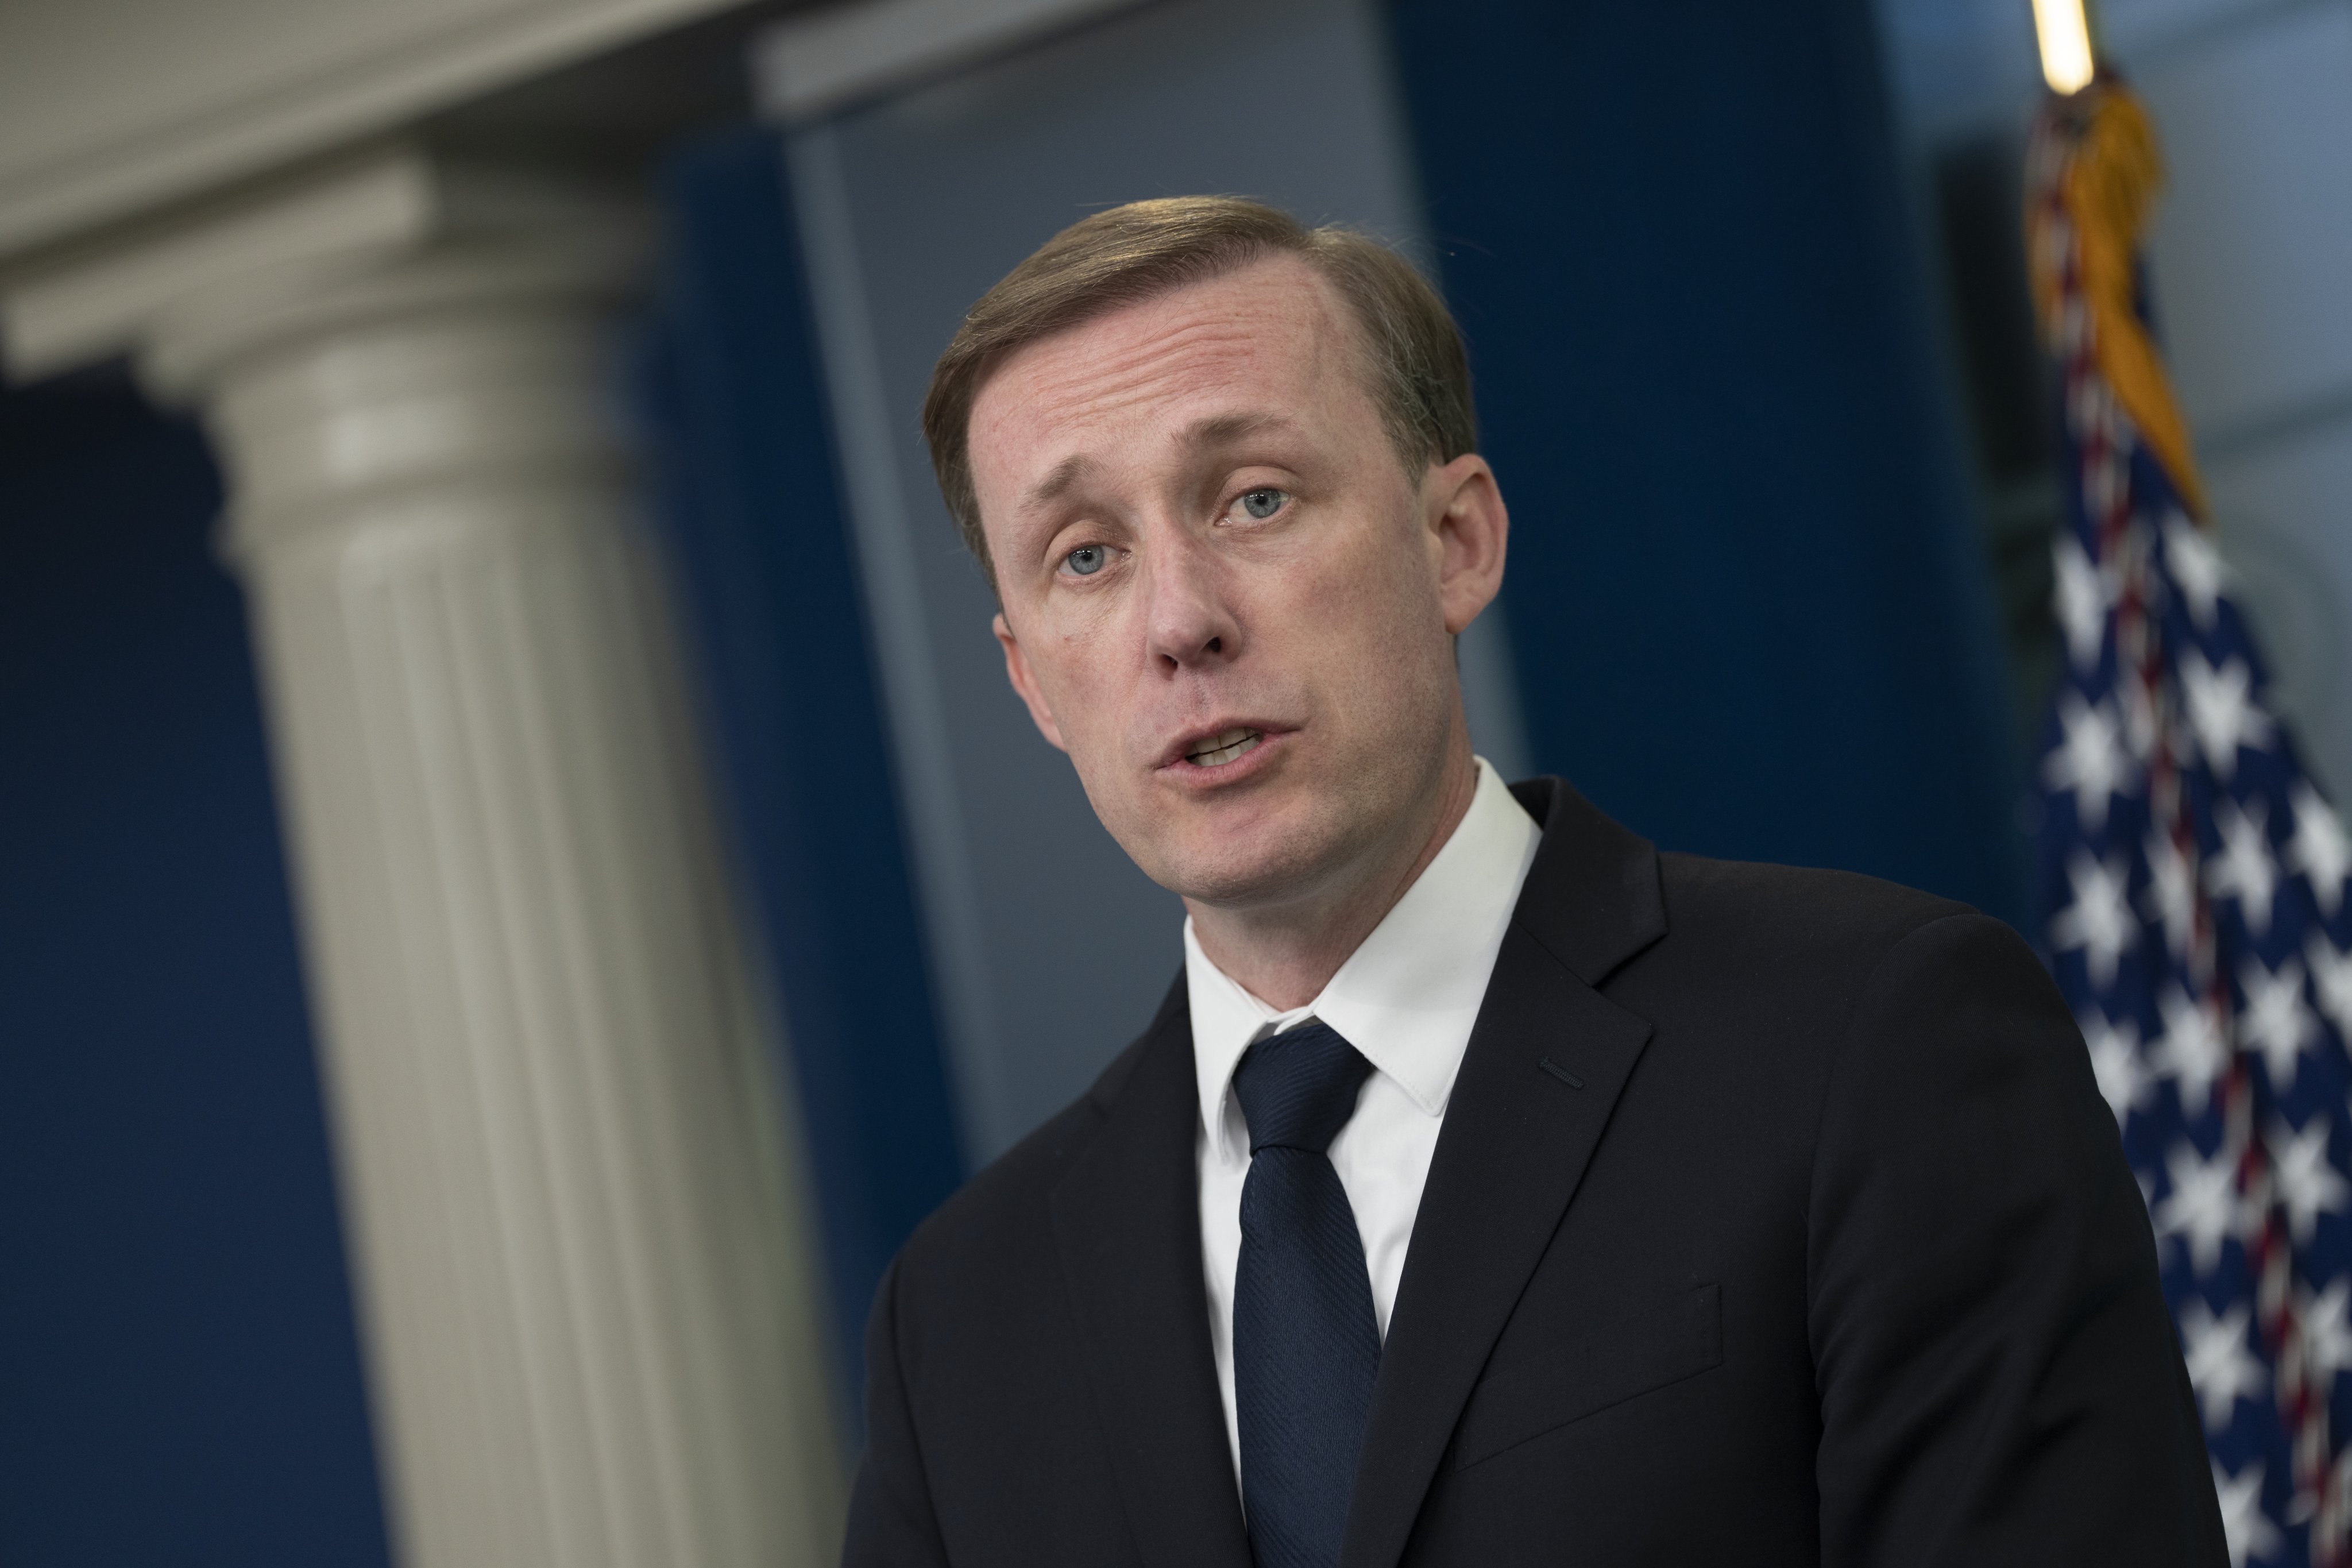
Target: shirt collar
point(1408, 995)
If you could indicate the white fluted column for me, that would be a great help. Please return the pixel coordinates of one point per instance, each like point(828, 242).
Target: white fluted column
point(579, 1226)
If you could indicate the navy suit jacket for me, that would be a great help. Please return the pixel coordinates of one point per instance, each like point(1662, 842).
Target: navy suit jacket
point(1776, 1218)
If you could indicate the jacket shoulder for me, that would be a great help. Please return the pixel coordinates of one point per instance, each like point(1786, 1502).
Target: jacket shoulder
point(1798, 913)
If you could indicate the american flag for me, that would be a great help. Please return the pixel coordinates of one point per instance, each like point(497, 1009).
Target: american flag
point(2193, 880)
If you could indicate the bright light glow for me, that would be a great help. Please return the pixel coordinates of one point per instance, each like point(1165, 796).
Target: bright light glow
point(2065, 35)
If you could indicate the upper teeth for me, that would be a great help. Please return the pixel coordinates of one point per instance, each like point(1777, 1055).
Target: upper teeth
point(1223, 748)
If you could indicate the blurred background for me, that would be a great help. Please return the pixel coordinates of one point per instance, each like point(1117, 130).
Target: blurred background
point(520, 879)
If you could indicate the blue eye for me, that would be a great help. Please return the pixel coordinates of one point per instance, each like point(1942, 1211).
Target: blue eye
point(1263, 503)
point(1086, 560)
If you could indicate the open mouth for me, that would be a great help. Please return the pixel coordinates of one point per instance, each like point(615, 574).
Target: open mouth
point(1226, 746)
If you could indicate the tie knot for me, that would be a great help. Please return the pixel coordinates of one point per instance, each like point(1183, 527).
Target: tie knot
point(1297, 1089)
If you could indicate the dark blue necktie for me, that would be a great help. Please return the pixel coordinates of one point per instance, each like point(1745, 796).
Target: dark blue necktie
point(1305, 1345)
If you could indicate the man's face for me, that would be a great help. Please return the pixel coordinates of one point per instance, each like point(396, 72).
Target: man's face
point(1223, 595)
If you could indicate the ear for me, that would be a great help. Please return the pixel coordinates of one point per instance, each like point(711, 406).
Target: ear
point(1024, 681)
point(1469, 529)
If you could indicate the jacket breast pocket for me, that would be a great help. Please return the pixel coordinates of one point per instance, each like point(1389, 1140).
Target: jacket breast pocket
point(1681, 1338)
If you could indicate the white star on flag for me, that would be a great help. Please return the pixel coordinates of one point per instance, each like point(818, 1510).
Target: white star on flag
point(2172, 896)
point(2203, 1209)
point(2274, 1021)
point(2319, 848)
point(2307, 1184)
point(2085, 593)
point(2196, 566)
point(2247, 1529)
point(2244, 870)
point(2192, 1047)
point(2125, 1081)
point(2222, 710)
point(2221, 1368)
point(2327, 1330)
point(2089, 760)
point(2099, 921)
point(2331, 980)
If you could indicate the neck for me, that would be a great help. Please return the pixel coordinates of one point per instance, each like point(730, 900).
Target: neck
point(1286, 954)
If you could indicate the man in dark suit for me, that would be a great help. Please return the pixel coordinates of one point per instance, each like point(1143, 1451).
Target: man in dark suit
point(1491, 1188)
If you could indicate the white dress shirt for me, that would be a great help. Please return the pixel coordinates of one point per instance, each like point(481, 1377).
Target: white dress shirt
point(1406, 998)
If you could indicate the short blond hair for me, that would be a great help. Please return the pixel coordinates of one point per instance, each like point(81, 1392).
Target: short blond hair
point(1415, 367)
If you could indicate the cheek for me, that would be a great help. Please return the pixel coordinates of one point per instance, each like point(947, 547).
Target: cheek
point(1381, 592)
point(1375, 627)
point(1075, 667)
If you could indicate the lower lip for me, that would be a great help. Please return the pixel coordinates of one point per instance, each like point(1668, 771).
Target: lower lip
point(1249, 764)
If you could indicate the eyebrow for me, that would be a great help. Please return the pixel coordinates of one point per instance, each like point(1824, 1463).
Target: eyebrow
point(1226, 428)
point(1054, 486)
point(1221, 430)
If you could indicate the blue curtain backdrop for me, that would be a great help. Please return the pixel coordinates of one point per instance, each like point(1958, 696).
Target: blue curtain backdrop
point(180, 1381)
point(752, 506)
point(1751, 615)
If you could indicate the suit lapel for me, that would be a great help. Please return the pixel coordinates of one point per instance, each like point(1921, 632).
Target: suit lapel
point(1127, 1221)
point(1517, 1137)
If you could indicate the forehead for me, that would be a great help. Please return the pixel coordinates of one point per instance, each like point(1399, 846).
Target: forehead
point(1272, 332)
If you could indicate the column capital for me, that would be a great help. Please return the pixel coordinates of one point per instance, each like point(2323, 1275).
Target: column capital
point(394, 391)
point(315, 244)
point(385, 326)
point(196, 340)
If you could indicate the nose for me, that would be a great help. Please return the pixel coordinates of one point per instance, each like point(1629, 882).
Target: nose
point(1190, 622)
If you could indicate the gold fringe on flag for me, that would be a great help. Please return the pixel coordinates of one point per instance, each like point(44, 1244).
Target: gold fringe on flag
point(2113, 171)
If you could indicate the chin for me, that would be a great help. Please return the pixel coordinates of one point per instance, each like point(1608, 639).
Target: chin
point(1266, 866)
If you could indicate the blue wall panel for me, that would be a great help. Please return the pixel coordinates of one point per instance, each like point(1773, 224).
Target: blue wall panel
point(178, 1377)
point(753, 510)
point(1751, 615)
